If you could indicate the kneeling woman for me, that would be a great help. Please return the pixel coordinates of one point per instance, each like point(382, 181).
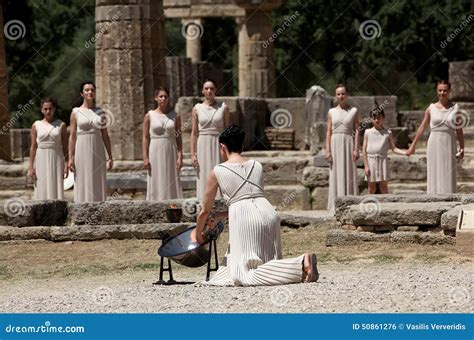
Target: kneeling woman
point(254, 256)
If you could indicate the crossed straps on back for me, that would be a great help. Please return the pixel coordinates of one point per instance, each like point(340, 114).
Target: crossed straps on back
point(245, 180)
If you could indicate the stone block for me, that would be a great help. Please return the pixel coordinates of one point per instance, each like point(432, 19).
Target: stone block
point(319, 198)
point(288, 197)
point(461, 74)
point(283, 170)
point(449, 219)
point(400, 135)
point(315, 177)
point(372, 212)
point(365, 104)
point(407, 168)
point(408, 228)
point(19, 213)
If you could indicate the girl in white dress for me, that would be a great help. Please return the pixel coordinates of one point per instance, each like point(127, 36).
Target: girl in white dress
point(209, 119)
point(446, 125)
point(48, 153)
point(377, 141)
point(342, 150)
point(254, 256)
point(162, 150)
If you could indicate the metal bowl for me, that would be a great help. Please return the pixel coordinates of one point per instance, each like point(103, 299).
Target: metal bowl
point(182, 250)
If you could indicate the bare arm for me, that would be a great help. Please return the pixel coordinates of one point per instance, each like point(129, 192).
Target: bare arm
point(460, 135)
point(355, 154)
point(194, 136)
point(32, 170)
point(108, 147)
point(72, 141)
point(395, 150)
point(146, 141)
point(421, 129)
point(328, 138)
point(179, 143)
point(364, 154)
point(65, 148)
point(226, 116)
point(207, 204)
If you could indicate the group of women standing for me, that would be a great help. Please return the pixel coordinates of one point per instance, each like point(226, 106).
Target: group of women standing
point(342, 146)
point(89, 155)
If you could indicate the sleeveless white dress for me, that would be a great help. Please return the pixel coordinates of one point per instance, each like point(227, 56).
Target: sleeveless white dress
point(163, 179)
point(49, 161)
point(254, 256)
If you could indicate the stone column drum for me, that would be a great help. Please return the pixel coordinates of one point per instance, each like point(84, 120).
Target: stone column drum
point(5, 149)
point(130, 49)
point(256, 71)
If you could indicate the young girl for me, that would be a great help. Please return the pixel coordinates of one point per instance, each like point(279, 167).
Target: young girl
point(377, 141)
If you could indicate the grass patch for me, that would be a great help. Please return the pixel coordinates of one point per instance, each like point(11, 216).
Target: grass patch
point(146, 266)
point(4, 273)
point(386, 259)
point(430, 258)
point(345, 259)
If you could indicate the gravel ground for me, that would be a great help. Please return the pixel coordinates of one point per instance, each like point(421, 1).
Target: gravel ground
point(342, 288)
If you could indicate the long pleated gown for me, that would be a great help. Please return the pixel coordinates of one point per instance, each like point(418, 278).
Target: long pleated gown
point(342, 170)
point(254, 256)
point(441, 151)
point(49, 161)
point(211, 124)
point(163, 179)
point(89, 158)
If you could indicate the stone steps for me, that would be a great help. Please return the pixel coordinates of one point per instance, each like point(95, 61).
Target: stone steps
point(92, 232)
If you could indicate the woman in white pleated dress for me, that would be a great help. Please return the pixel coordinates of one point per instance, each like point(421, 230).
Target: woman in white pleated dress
point(48, 153)
point(446, 126)
point(209, 119)
point(162, 150)
point(254, 257)
point(88, 142)
point(342, 148)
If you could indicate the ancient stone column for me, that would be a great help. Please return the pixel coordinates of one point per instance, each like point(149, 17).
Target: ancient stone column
point(192, 31)
point(130, 63)
point(5, 149)
point(256, 71)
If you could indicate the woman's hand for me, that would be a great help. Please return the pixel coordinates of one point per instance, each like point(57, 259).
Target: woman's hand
point(355, 155)
point(197, 238)
point(65, 171)
point(410, 151)
point(179, 164)
point(194, 162)
point(460, 154)
point(32, 174)
point(146, 164)
point(367, 171)
point(110, 164)
point(328, 156)
point(71, 165)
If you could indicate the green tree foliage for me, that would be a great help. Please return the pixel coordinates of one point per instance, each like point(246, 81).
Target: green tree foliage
point(51, 59)
point(323, 46)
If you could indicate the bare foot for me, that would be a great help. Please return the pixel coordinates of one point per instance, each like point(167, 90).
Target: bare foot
point(310, 267)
